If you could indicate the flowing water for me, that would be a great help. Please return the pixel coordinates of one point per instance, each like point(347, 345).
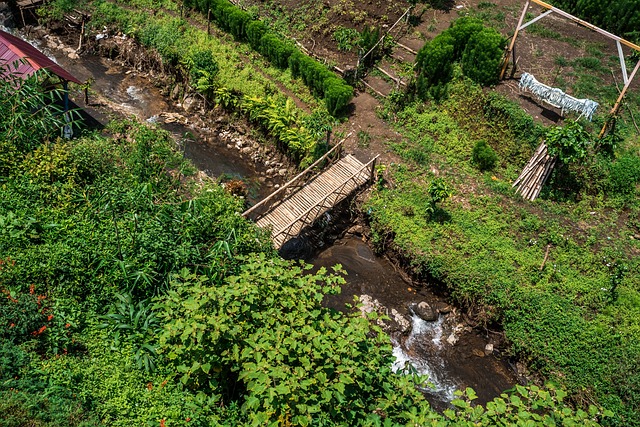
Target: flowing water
point(124, 92)
point(446, 350)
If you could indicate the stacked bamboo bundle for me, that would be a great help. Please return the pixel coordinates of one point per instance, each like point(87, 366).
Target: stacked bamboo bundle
point(535, 173)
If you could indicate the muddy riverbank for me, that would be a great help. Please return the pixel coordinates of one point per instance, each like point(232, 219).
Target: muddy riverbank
point(427, 334)
point(445, 348)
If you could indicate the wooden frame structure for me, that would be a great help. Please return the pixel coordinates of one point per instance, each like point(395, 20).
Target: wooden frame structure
point(627, 79)
point(306, 200)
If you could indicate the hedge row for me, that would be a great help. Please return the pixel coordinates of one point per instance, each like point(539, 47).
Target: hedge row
point(620, 16)
point(281, 53)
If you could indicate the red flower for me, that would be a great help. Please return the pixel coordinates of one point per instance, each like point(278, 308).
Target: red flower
point(162, 421)
point(12, 325)
point(49, 317)
point(39, 331)
point(32, 289)
point(66, 325)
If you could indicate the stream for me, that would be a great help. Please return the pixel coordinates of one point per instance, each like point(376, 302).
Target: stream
point(449, 352)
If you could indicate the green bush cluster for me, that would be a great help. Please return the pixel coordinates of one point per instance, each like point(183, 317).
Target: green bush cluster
point(483, 156)
point(478, 49)
point(282, 53)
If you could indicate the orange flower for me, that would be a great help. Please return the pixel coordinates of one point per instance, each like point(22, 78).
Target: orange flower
point(66, 325)
point(32, 289)
point(12, 325)
point(49, 317)
point(149, 386)
point(39, 331)
point(188, 419)
point(162, 421)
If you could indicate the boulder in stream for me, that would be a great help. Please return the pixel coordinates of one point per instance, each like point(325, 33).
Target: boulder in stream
point(424, 311)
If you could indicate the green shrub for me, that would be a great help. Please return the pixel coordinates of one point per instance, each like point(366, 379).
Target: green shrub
point(203, 64)
point(569, 142)
point(337, 95)
point(276, 50)
point(624, 174)
point(482, 56)
point(346, 38)
point(368, 39)
point(255, 31)
point(483, 156)
point(435, 59)
point(462, 29)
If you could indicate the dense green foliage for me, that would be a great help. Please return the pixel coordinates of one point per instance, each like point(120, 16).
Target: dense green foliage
point(336, 92)
point(478, 49)
point(488, 252)
point(132, 293)
point(483, 156)
point(212, 69)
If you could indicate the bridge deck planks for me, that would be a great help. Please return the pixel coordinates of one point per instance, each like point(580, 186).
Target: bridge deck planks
point(349, 173)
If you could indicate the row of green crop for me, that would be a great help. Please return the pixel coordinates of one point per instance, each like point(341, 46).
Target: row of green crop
point(282, 53)
point(211, 68)
point(621, 16)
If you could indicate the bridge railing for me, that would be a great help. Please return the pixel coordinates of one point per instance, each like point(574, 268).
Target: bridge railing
point(294, 182)
point(362, 175)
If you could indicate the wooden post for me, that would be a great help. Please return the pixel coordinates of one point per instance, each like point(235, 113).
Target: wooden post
point(81, 35)
point(86, 96)
point(209, 22)
point(373, 169)
point(616, 106)
point(513, 40)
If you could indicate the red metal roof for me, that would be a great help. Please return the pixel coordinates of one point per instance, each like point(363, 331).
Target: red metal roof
point(14, 49)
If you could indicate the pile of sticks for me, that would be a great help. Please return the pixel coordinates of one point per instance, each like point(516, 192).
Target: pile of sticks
point(535, 173)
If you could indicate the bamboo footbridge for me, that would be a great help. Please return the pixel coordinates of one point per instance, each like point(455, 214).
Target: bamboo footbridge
point(310, 194)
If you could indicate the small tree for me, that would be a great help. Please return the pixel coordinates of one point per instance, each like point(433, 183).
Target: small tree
point(438, 192)
point(569, 142)
point(483, 156)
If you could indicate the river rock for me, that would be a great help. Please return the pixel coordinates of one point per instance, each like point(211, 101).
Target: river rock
point(282, 172)
point(246, 150)
point(296, 248)
point(443, 308)
point(425, 312)
point(403, 323)
point(452, 338)
point(189, 103)
point(488, 349)
point(356, 229)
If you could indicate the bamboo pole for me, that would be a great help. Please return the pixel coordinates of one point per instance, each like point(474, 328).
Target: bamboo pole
point(281, 189)
point(623, 92)
point(513, 39)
